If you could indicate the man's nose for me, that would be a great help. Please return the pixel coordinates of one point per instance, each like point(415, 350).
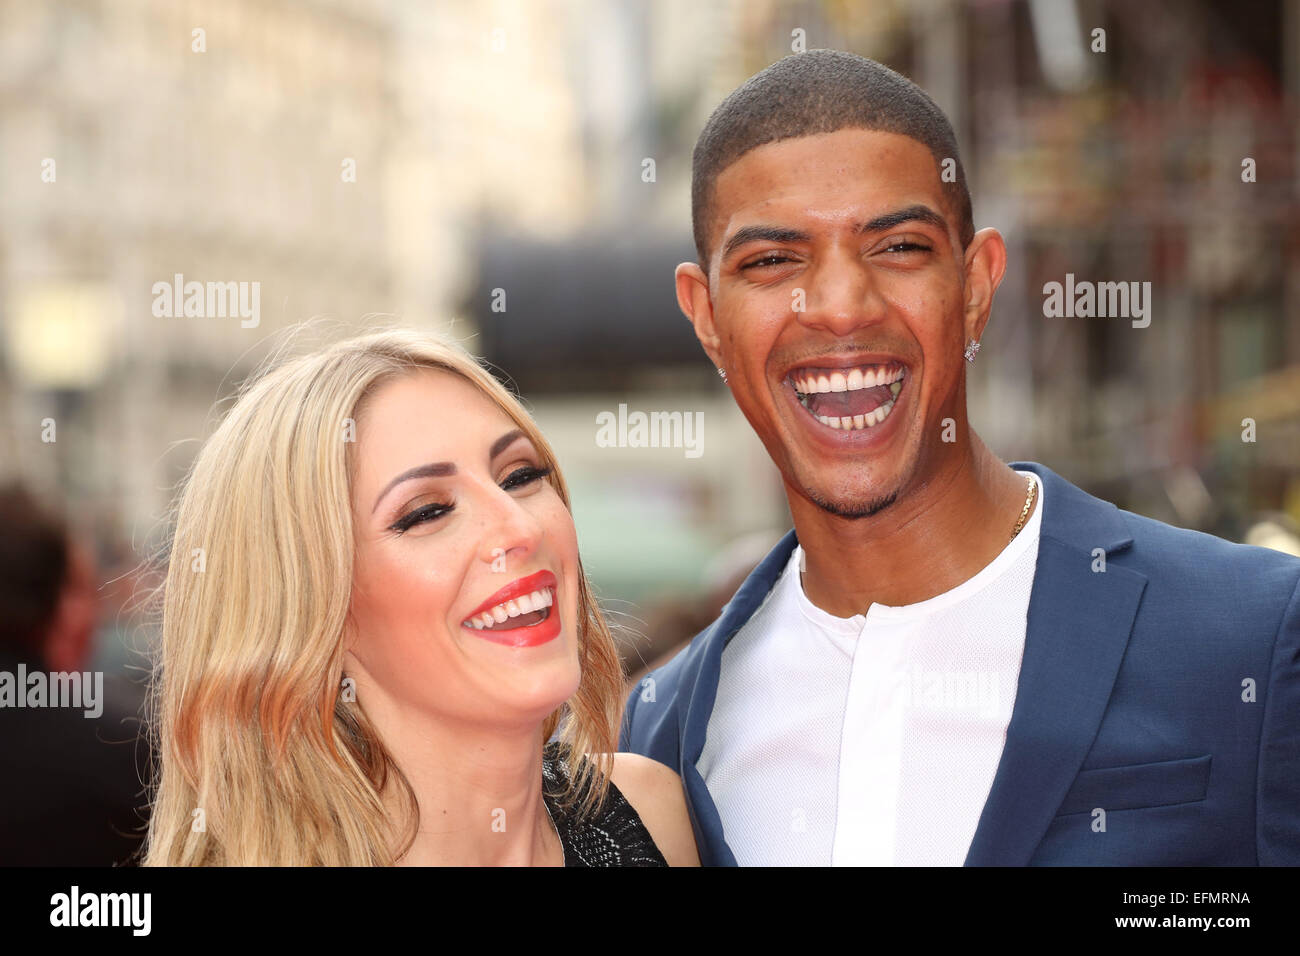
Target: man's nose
point(841, 296)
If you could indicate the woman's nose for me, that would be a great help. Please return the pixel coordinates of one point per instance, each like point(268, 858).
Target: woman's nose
point(510, 532)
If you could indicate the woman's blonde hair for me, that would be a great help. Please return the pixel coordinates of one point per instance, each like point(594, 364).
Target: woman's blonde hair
point(262, 759)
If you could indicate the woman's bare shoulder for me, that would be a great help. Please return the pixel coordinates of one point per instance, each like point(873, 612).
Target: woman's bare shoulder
point(655, 792)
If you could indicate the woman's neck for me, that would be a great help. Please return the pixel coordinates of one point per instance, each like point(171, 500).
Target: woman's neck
point(479, 793)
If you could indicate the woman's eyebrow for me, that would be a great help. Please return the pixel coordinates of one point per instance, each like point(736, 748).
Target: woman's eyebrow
point(504, 442)
point(440, 469)
point(436, 469)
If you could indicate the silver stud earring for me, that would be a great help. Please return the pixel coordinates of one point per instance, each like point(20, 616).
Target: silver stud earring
point(723, 373)
point(971, 348)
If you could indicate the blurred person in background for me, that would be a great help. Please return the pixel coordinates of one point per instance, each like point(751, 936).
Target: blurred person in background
point(378, 642)
point(73, 793)
point(672, 622)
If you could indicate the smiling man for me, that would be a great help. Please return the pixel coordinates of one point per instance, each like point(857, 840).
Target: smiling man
point(950, 659)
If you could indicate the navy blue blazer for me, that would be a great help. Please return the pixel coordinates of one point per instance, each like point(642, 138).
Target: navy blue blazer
point(1164, 690)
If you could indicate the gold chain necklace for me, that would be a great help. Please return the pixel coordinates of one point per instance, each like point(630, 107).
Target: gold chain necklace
point(1024, 512)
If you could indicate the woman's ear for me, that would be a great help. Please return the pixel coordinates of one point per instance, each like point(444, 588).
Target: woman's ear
point(350, 635)
point(347, 689)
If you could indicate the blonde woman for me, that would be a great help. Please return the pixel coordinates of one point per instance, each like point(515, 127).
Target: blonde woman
point(374, 622)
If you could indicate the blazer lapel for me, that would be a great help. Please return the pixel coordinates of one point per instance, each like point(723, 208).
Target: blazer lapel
point(1077, 630)
point(704, 812)
point(714, 851)
point(703, 682)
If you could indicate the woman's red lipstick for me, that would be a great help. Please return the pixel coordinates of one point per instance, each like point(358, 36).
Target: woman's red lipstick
point(525, 635)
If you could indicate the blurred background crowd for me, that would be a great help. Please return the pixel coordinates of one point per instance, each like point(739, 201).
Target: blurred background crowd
point(518, 172)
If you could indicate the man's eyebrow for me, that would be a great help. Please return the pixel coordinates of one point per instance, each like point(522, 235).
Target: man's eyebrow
point(915, 213)
point(761, 233)
point(440, 469)
point(765, 233)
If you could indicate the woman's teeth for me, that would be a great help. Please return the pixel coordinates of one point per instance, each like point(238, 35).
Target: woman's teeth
point(808, 383)
point(517, 607)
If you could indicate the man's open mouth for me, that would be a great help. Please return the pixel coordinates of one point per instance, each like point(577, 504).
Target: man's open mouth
point(853, 398)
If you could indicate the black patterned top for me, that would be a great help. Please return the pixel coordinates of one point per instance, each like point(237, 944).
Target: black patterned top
point(612, 836)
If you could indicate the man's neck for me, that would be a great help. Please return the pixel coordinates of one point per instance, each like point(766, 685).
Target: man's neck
point(940, 532)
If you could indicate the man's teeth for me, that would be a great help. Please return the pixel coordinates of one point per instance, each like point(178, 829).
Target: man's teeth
point(513, 608)
point(810, 383)
point(869, 376)
point(853, 423)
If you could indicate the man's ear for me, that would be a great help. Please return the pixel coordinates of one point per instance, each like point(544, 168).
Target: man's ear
point(985, 264)
point(693, 299)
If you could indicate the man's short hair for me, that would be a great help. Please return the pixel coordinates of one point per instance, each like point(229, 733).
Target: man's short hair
point(820, 91)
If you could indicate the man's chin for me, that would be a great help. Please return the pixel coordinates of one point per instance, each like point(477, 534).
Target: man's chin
point(855, 506)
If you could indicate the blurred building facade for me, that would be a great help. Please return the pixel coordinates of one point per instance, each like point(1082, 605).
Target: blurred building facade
point(519, 173)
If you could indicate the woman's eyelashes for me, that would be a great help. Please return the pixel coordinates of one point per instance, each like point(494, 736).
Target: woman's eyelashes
point(518, 478)
point(524, 476)
point(419, 516)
